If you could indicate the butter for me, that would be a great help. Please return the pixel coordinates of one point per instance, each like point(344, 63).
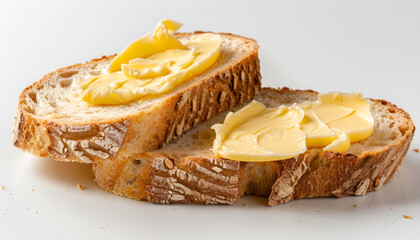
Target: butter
point(144, 68)
point(256, 133)
point(152, 65)
point(161, 40)
point(358, 124)
point(340, 144)
point(335, 114)
point(318, 134)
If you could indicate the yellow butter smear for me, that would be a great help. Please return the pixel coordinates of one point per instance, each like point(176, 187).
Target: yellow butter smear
point(256, 133)
point(152, 65)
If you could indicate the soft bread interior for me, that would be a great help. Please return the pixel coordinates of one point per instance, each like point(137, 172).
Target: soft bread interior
point(390, 124)
point(58, 97)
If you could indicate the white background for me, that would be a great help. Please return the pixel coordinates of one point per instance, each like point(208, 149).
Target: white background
point(365, 46)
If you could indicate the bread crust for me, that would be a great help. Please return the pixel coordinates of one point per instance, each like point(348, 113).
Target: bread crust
point(169, 118)
point(159, 178)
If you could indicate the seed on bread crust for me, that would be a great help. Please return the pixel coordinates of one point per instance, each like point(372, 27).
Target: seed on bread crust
point(169, 164)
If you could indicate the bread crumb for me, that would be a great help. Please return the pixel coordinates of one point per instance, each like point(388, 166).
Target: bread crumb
point(33, 190)
point(407, 217)
point(3, 188)
point(36, 212)
point(80, 187)
point(416, 150)
point(355, 205)
point(246, 204)
point(65, 189)
point(102, 227)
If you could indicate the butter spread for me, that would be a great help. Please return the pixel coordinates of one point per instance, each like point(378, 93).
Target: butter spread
point(334, 113)
point(340, 144)
point(152, 65)
point(256, 133)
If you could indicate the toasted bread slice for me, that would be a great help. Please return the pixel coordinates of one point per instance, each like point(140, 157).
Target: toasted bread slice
point(53, 121)
point(187, 171)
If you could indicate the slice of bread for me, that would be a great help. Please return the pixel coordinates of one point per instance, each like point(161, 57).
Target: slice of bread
point(52, 120)
point(187, 171)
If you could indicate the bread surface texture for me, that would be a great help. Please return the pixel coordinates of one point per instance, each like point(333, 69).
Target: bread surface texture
point(53, 121)
point(187, 171)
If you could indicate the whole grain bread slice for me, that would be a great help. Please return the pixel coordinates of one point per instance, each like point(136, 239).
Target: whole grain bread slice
point(187, 171)
point(53, 121)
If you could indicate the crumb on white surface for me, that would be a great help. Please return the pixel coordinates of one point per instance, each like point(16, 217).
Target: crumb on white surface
point(80, 186)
